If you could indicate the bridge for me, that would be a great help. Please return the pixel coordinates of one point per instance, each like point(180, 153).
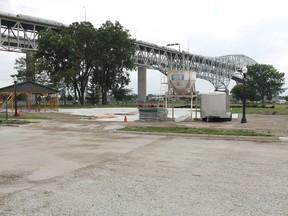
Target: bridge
point(19, 33)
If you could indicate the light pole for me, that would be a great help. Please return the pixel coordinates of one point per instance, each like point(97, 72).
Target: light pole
point(84, 13)
point(244, 71)
point(15, 94)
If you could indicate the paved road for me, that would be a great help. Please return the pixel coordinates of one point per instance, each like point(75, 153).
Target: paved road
point(75, 166)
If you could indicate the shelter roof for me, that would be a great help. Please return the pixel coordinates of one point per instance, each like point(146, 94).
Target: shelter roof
point(29, 87)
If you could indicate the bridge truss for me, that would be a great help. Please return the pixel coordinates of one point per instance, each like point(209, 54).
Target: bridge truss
point(217, 70)
point(19, 33)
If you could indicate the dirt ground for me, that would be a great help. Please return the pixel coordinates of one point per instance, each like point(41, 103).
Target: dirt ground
point(76, 165)
point(275, 124)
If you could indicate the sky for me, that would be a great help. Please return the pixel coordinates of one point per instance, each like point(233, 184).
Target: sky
point(255, 28)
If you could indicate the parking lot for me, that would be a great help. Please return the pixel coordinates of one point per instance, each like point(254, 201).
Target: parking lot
point(79, 164)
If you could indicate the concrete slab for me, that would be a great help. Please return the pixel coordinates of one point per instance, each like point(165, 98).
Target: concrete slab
point(132, 114)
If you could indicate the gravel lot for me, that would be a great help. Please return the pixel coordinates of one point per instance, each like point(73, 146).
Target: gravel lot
point(75, 165)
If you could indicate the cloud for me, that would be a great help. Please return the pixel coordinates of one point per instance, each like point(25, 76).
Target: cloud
point(7, 61)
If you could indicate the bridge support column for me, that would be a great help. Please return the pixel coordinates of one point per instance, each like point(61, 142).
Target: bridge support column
point(142, 84)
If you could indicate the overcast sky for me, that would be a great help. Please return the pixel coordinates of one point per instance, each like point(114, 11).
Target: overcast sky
point(258, 29)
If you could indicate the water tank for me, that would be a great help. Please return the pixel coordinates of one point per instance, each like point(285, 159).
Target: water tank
point(181, 81)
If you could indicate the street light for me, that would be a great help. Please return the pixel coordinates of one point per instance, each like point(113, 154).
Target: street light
point(15, 94)
point(244, 71)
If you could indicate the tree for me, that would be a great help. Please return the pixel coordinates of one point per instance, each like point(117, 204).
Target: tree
point(116, 52)
point(123, 94)
point(238, 90)
point(23, 74)
point(80, 55)
point(265, 80)
point(93, 93)
point(69, 56)
point(27, 69)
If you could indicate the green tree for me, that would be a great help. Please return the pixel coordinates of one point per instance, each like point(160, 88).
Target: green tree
point(93, 93)
point(20, 66)
point(69, 56)
point(238, 91)
point(27, 69)
point(123, 94)
point(115, 58)
point(80, 55)
point(265, 80)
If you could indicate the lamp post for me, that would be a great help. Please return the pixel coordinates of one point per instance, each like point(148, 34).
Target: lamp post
point(244, 71)
point(84, 14)
point(15, 94)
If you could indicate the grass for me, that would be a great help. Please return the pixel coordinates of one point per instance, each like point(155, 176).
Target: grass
point(279, 109)
point(188, 130)
point(18, 120)
point(14, 122)
point(26, 116)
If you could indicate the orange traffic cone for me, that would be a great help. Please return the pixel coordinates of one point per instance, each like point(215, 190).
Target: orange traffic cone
point(125, 118)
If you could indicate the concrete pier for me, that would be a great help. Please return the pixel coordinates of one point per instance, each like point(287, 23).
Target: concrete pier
point(142, 87)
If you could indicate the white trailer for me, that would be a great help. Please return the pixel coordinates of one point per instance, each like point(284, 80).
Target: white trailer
point(215, 105)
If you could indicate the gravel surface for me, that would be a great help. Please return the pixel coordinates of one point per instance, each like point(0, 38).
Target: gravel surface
point(75, 166)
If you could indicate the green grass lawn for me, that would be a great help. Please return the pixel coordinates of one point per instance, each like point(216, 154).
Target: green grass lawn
point(24, 116)
point(278, 109)
point(17, 120)
point(187, 130)
point(14, 122)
